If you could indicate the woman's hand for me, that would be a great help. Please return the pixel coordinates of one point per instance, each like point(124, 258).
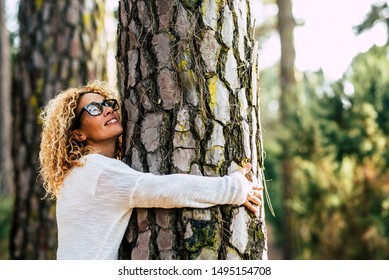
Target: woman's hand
point(253, 199)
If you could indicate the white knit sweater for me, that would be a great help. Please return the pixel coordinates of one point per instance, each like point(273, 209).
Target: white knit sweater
point(95, 203)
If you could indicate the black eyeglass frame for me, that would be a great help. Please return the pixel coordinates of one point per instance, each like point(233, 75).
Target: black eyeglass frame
point(105, 102)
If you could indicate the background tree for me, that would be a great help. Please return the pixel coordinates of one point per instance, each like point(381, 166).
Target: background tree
point(6, 179)
point(62, 44)
point(288, 109)
point(188, 74)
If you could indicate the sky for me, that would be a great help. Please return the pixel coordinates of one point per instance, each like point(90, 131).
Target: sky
point(326, 40)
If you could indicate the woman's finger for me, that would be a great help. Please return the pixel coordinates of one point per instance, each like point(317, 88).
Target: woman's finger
point(257, 187)
point(246, 169)
point(254, 200)
point(257, 194)
point(251, 207)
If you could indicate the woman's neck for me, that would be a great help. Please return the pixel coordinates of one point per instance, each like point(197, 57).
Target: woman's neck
point(105, 149)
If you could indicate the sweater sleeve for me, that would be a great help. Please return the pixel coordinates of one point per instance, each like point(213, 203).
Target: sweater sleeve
point(180, 190)
point(145, 190)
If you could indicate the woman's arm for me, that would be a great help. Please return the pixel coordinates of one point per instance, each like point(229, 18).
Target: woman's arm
point(145, 190)
point(181, 190)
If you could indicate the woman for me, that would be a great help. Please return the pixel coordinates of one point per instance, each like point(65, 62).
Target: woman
point(96, 193)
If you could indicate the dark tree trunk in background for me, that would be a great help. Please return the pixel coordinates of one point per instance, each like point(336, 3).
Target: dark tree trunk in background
point(188, 73)
point(286, 26)
point(62, 44)
point(6, 171)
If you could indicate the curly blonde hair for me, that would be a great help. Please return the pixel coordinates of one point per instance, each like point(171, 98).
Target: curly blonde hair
point(59, 150)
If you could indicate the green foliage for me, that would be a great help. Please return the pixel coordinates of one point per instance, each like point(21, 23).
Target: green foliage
point(348, 180)
point(370, 74)
point(338, 140)
point(378, 13)
point(5, 225)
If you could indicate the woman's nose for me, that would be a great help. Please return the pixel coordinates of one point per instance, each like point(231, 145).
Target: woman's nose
point(107, 110)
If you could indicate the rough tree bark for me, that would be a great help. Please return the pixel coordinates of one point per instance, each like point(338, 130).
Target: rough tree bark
point(6, 171)
point(188, 74)
point(62, 44)
point(286, 24)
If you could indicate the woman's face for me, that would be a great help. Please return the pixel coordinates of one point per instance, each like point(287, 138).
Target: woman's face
point(96, 130)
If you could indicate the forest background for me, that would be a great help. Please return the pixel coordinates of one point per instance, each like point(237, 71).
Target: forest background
point(332, 140)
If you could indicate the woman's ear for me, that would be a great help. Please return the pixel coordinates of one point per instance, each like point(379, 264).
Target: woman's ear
point(79, 135)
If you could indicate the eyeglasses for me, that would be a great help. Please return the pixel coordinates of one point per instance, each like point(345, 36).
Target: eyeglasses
point(96, 109)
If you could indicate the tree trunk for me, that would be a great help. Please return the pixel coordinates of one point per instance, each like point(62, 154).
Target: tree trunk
point(62, 44)
point(286, 26)
point(188, 73)
point(6, 171)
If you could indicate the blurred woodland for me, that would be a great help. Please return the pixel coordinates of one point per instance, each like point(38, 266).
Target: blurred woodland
point(326, 142)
